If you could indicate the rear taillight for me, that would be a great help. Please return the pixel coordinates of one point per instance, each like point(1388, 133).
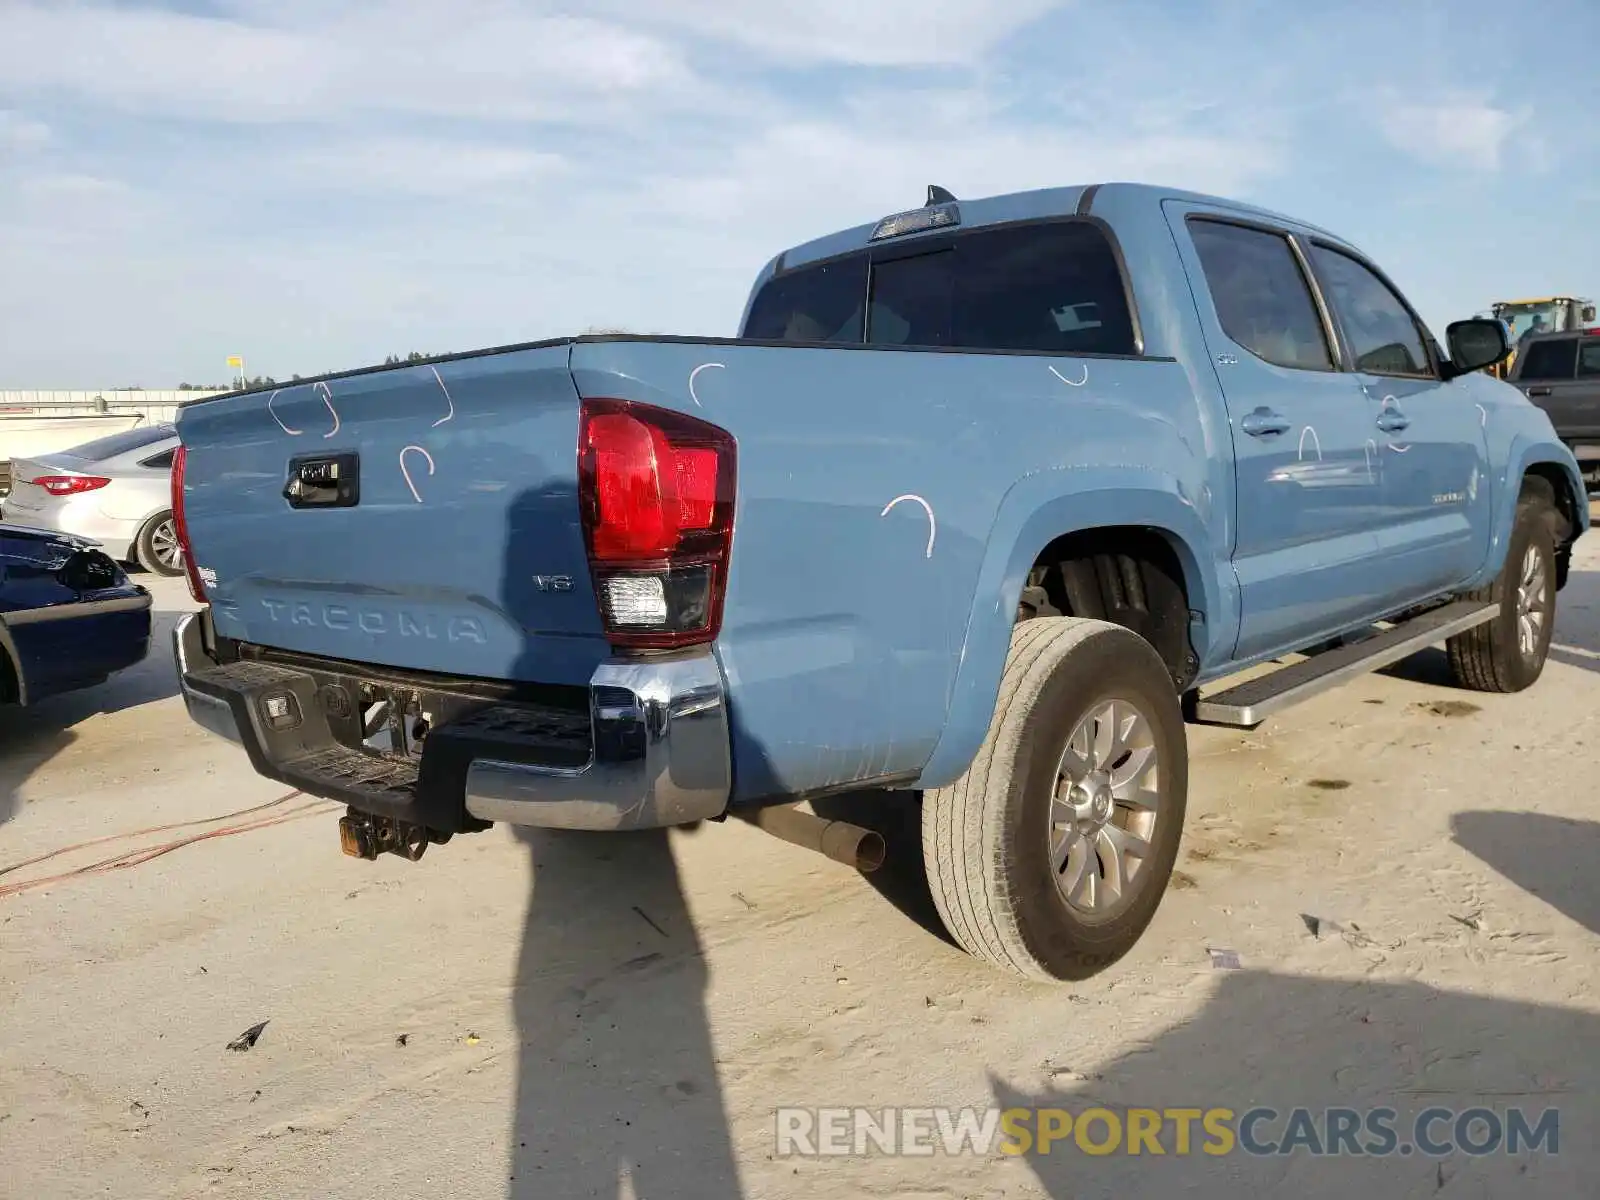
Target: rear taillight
point(656, 489)
point(69, 485)
point(180, 525)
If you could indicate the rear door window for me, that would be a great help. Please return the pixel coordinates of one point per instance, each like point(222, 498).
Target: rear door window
point(1589, 358)
point(1261, 296)
point(1384, 337)
point(1555, 359)
point(1049, 288)
point(159, 462)
point(822, 303)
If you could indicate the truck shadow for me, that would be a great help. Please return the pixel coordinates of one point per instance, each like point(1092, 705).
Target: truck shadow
point(617, 1087)
point(616, 1073)
point(1547, 856)
point(1281, 1042)
point(897, 818)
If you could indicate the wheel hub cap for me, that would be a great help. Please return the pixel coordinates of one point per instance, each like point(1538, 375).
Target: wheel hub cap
point(1092, 802)
point(1105, 807)
point(1531, 588)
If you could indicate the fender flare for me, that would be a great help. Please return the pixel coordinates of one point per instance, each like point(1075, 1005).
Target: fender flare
point(1525, 453)
point(1035, 512)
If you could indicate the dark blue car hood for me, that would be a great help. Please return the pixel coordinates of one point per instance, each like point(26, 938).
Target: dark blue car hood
point(26, 533)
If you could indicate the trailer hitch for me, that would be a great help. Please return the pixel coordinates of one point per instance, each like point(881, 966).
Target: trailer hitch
point(365, 835)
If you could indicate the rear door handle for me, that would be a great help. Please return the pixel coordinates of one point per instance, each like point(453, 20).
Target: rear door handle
point(1539, 391)
point(1392, 420)
point(1263, 422)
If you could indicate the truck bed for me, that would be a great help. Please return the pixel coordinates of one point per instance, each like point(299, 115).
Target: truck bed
point(868, 489)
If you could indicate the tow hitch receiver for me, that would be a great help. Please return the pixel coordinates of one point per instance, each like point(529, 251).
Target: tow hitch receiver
point(363, 835)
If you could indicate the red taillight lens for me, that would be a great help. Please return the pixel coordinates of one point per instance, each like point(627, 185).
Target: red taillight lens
point(657, 492)
point(69, 485)
point(180, 525)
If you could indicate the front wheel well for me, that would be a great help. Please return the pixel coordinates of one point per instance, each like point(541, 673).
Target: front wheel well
point(1128, 575)
point(1550, 480)
point(1551, 484)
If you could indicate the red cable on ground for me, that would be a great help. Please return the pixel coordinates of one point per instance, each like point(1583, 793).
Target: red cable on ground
point(116, 837)
point(134, 858)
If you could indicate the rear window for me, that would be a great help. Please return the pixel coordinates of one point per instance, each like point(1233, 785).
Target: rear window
point(1052, 288)
point(813, 304)
point(114, 444)
point(1556, 359)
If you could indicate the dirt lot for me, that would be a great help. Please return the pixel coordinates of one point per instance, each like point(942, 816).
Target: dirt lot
point(560, 1016)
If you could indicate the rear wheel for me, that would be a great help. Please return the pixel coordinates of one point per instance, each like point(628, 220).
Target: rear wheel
point(157, 546)
point(1049, 856)
point(1508, 653)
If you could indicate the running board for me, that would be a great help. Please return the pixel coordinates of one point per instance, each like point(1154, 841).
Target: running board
point(1247, 704)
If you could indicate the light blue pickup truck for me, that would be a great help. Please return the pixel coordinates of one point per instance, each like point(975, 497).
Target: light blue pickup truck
point(987, 501)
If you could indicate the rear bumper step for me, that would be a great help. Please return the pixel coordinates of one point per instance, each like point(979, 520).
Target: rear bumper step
point(651, 750)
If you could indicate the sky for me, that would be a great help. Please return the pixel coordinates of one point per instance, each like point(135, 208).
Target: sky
point(315, 184)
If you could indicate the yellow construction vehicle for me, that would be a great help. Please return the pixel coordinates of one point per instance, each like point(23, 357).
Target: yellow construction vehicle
point(1546, 314)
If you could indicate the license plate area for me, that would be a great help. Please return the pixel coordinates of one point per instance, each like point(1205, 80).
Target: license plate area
point(383, 718)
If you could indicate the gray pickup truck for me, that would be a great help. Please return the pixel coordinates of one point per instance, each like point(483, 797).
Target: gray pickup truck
point(1560, 372)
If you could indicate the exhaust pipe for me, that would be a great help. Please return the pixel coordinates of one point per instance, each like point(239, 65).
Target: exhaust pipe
point(839, 840)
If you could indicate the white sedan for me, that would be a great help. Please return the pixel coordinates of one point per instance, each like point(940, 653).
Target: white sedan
point(116, 490)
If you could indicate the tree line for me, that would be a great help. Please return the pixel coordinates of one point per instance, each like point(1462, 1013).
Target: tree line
point(264, 381)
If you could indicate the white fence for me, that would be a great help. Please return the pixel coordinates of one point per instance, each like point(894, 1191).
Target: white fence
point(151, 405)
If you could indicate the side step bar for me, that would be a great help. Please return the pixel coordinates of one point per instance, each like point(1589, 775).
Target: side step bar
point(1247, 704)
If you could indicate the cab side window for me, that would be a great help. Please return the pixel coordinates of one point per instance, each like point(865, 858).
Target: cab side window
point(1261, 295)
point(1384, 338)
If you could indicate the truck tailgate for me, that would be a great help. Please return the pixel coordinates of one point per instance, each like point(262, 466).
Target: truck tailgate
point(435, 525)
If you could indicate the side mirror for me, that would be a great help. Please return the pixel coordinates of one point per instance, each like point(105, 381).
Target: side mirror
point(1588, 314)
point(1475, 344)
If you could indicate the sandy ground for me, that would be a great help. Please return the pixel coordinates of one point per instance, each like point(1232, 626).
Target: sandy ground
point(604, 1016)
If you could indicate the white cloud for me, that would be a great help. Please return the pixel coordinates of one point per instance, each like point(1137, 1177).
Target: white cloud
point(19, 133)
point(819, 175)
point(486, 59)
point(1457, 132)
point(318, 183)
point(403, 241)
point(396, 165)
point(874, 32)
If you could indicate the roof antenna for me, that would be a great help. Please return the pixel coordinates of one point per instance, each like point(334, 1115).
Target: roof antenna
point(938, 195)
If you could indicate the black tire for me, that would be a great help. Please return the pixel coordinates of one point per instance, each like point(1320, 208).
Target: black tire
point(1491, 657)
point(985, 838)
point(149, 542)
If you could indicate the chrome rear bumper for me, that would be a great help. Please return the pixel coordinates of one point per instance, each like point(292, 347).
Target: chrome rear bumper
point(658, 746)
